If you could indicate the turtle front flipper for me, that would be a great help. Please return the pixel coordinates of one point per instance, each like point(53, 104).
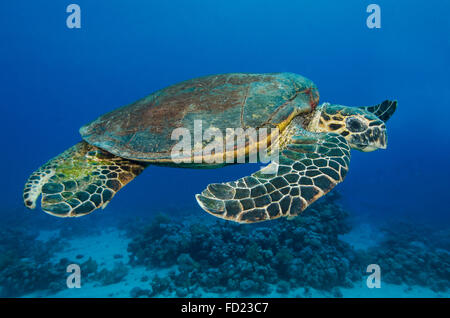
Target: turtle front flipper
point(309, 166)
point(78, 181)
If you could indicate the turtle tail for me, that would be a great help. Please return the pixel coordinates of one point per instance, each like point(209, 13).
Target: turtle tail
point(79, 180)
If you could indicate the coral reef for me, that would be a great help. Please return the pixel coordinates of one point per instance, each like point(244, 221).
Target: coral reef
point(415, 255)
point(225, 256)
point(24, 263)
point(113, 276)
point(190, 255)
point(280, 256)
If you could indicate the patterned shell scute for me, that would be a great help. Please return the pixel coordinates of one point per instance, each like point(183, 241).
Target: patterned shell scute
point(143, 130)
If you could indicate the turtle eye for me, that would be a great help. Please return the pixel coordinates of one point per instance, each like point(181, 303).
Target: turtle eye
point(355, 125)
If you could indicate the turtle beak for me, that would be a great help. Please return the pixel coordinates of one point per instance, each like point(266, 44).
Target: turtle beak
point(382, 144)
point(371, 140)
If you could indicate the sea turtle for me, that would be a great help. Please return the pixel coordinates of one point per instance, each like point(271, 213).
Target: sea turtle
point(314, 143)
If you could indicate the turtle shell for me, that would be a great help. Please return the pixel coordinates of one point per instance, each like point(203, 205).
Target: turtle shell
point(143, 129)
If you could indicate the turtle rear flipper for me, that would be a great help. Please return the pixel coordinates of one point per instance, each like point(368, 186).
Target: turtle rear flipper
point(309, 167)
point(78, 181)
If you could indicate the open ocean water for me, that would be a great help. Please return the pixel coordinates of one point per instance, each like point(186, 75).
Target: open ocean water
point(153, 240)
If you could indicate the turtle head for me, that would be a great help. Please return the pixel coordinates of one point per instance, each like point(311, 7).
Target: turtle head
point(362, 129)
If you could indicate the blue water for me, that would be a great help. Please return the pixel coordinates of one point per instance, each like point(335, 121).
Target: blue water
point(54, 80)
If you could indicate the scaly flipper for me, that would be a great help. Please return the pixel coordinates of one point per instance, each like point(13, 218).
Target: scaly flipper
point(309, 166)
point(78, 181)
point(384, 110)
